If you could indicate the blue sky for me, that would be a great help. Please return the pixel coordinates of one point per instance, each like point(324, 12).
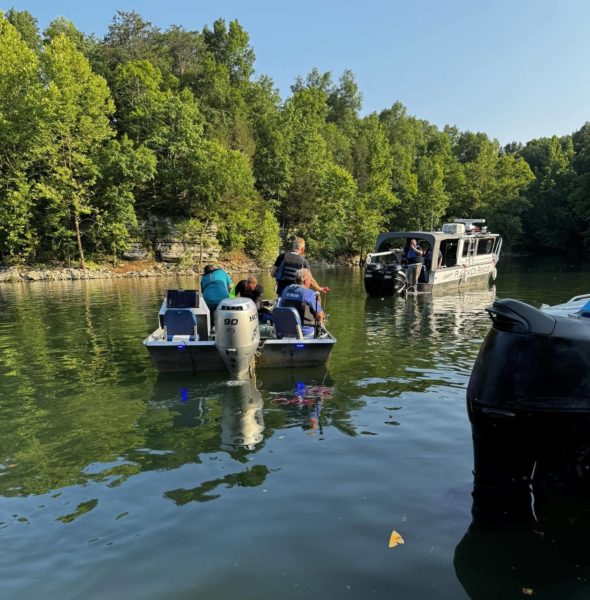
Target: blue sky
point(514, 69)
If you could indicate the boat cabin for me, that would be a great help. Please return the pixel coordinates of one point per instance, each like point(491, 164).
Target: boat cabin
point(460, 251)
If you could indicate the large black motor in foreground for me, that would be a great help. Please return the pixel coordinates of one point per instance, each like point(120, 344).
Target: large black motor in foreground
point(528, 398)
point(384, 279)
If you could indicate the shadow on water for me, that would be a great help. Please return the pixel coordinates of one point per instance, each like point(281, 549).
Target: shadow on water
point(528, 540)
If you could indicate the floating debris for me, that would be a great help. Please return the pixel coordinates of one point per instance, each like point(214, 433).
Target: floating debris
point(395, 539)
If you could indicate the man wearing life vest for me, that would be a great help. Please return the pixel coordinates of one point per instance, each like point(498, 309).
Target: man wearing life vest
point(287, 264)
point(304, 300)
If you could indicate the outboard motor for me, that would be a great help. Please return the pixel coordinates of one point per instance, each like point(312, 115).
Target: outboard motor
point(384, 280)
point(237, 335)
point(528, 397)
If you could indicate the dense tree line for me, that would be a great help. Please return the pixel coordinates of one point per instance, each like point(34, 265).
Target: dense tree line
point(98, 136)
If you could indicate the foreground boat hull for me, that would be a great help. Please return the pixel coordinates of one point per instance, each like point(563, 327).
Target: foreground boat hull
point(198, 357)
point(188, 357)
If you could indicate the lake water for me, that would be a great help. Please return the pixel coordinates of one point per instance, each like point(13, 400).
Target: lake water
point(119, 483)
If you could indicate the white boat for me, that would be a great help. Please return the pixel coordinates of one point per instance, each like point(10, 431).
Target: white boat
point(462, 254)
point(185, 341)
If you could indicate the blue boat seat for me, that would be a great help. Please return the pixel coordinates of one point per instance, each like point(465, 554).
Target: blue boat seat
point(179, 321)
point(287, 322)
point(584, 312)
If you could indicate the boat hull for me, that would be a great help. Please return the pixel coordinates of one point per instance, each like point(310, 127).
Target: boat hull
point(197, 357)
point(378, 283)
point(189, 357)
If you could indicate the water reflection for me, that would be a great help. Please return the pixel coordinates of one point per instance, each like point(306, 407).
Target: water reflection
point(297, 397)
point(523, 545)
point(242, 420)
point(102, 459)
point(528, 537)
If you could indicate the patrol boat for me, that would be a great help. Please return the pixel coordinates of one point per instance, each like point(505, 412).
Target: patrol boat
point(185, 340)
point(528, 397)
point(462, 254)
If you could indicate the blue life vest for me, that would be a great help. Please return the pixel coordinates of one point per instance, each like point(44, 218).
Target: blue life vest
point(293, 295)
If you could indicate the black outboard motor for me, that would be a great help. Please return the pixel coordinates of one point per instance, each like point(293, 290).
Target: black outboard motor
point(528, 398)
point(384, 280)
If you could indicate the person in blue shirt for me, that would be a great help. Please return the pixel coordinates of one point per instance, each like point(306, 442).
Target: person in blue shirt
point(306, 301)
point(216, 285)
point(415, 257)
point(414, 253)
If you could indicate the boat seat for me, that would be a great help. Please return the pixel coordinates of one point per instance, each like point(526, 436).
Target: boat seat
point(179, 321)
point(287, 322)
point(585, 310)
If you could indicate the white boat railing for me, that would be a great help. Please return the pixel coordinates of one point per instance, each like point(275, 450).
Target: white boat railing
point(580, 297)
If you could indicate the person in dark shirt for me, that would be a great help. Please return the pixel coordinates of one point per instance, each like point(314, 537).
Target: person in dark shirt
point(288, 263)
point(249, 288)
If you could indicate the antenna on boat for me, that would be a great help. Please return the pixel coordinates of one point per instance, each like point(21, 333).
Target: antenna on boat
point(317, 322)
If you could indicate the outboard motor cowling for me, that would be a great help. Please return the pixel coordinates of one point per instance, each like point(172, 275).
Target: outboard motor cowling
point(384, 280)
point(237, 335)
point(528, 397)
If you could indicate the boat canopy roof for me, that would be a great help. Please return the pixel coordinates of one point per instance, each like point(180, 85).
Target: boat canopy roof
point(428, 236)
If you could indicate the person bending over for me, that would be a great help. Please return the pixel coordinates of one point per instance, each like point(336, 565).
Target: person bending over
point(216, 286)
point(249, 288)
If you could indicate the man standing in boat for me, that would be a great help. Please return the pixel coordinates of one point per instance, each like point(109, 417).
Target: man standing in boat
point(416, 258)
point(288, 263)
point(304, 300)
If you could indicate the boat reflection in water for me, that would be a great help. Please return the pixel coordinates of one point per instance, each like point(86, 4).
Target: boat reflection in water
point(299, 395)
point(230, 416)
point(242, 420)
point(532, 543)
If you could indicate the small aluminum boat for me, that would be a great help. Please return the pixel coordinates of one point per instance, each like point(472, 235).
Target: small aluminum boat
point(185, 341)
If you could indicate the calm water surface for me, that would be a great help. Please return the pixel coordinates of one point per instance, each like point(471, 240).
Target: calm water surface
point(116, 482)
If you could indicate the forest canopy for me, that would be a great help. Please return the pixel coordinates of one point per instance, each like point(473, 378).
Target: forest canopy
point(100, 135)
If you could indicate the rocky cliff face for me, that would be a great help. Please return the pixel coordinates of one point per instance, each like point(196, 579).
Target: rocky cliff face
point(170, 241)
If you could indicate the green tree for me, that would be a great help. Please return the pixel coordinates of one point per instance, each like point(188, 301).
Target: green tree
point(376, 201)
point(230, 45)
point(122, 168)
point(22, 141)
point(26, 24)
point(271, 162)
point(550, 221)
point(62, 26)
point(79, 108)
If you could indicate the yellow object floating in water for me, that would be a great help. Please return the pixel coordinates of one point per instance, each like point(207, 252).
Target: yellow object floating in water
point(395, 539)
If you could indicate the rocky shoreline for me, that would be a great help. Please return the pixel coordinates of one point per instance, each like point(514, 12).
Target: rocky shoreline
point(28, 274)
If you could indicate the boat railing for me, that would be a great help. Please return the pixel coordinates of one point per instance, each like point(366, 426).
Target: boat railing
point(391, 252)
point(497, 249)
point(580, 297)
